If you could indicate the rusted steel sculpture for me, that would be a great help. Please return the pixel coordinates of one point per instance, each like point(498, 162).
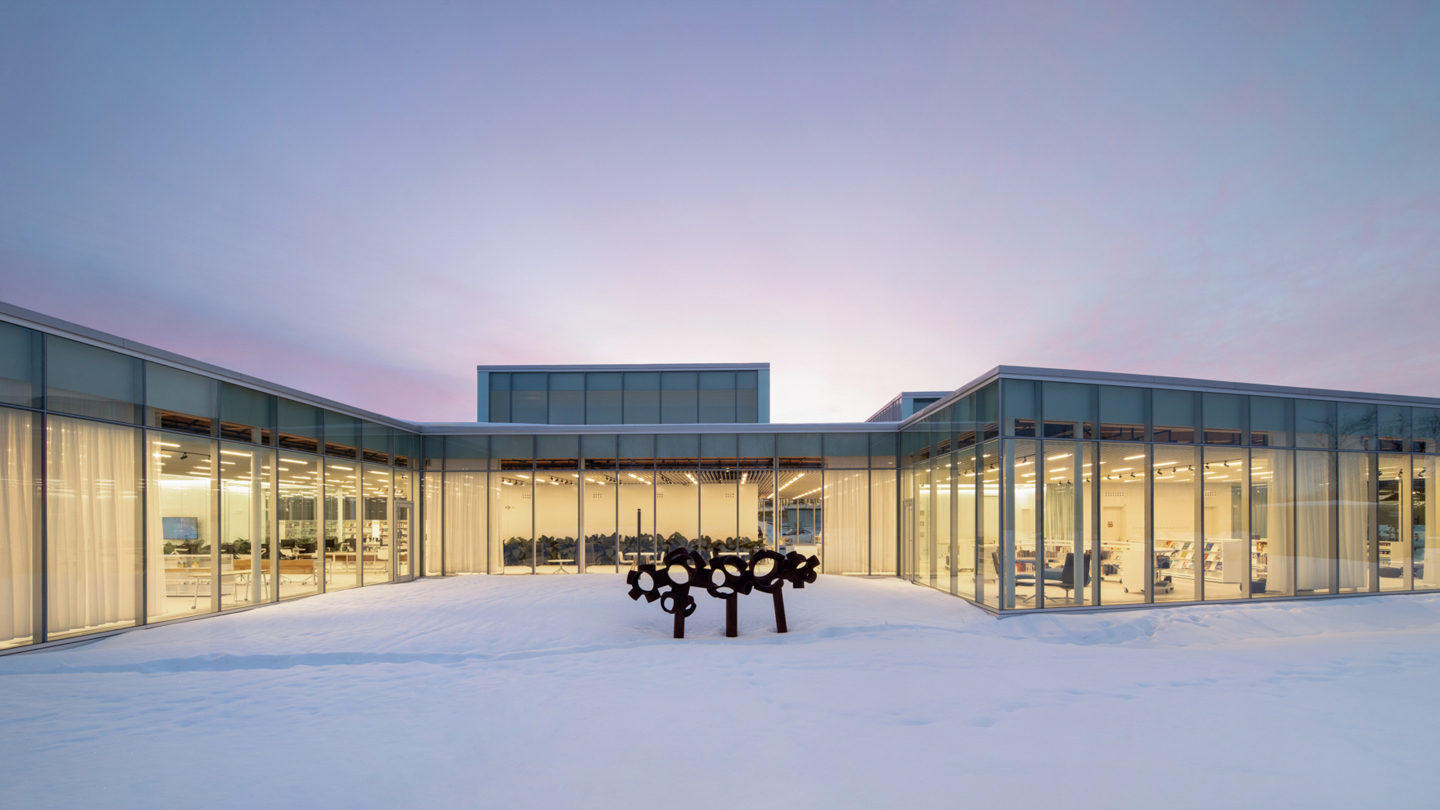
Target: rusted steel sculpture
point(727, 578)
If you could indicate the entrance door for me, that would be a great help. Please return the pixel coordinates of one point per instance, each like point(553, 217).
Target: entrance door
point(404, 558)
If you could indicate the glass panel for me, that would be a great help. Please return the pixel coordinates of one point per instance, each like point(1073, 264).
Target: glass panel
point(527, 398)
point(882, 522)
point(499, 397)
point(602, 543)
point(342, 435)
point(1426, 429)
point(964, 569)
point(988, 581)
point(183, 554)
point(557, 453)
point(987, 410)
point(757, 524)
point(637, 517)
point(1315, 535)
point(1425, 523)
point(719, 511)
point(377, 441)
point(179, 400)
point(299, 513)
point(246, 415)
point(19, 525)
point(847, 519)
point(1173, 415)
point(93, 525)
point(677, 508)
point(465, 546)
point(342, 526)
point(942, 482)
point(642, 398)
point(1225, 418)
point(557, 522)
point(882, 450)
point(90, 381)
point(677, 450)
point(1069, 410)
point(1065, 548)
point(1020, 410)
point(1357, 426)
point(1356, 516)
point(1025, 565)
point(1227, 554)
point(21, 353)
point(1272, 505)
point(1177, 550)
point(906, 561)
point(434, 449)
point(800, 522)
point(799, 450)
point(512, 515)
point(1393, 507)
point(567, 399)
point(406, 448)
point(718, 449)
point(678, 397)
point(512, 452)
point(1124, 412)
point(467, 452)
point(300, 426)
point(717, 397)
point(599, 451)
point(603, 399)
point(1271, 421)
point(1314, 423)
point(247, 568)
point(756, 449)
point(378, 560)
point(1394, 429)
point(637, 452)
point(402, 523)
point(848, 450)
point(1122, 523)
point(747, 396)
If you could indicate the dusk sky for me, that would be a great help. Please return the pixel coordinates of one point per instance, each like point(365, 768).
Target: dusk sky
point(366, 200)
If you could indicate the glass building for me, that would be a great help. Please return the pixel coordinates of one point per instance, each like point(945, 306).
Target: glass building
point(138, 486)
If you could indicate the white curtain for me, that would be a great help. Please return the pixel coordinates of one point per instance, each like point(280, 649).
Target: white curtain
point(1314, 494)
point(93, 510)
point(882, 522)
point(1279, 499)
point(847, 521)
point(1426, 470)
point(433, 494)
point(17, 525)
point(1355, 513)
point(465, 522)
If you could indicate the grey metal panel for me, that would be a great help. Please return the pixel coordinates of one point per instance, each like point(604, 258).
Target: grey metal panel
point(511, 428)
point(482, 397)
point(764, 395)
point(633, 367)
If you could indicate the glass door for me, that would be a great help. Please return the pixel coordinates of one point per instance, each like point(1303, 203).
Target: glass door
point(404, 523)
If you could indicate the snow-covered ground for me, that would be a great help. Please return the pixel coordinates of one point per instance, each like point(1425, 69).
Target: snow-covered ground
point(560, 692)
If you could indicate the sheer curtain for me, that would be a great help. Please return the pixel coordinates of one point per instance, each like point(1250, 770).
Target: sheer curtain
point(1314, 495)
point(434, 491)
point(1355, 513)
point(465, 522)
point(17, 526)
point(847, 522)
point(93, 511)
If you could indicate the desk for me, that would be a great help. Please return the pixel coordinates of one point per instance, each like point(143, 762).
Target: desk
point(560, 561)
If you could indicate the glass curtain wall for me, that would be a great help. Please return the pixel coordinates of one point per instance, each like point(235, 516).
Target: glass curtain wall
point(433, 530)
point(343, 566)
point(247, 555)
point(1178, 554)
point(19, 519)
point(966, 513)
point(1356, 492)
point(464, 521)
point(377, 546)
point(185, 556)
point(1227, 549)
point(1126, 575)
point(1066, 551)
point(1393, 516)
point(299, 557)
point(1272, 511)
point(93, 520)
point(989, 582)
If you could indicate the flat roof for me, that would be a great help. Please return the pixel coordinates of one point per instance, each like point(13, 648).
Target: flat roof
point(635, 367)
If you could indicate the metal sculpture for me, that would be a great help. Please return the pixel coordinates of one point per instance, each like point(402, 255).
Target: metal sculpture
point(727, 577)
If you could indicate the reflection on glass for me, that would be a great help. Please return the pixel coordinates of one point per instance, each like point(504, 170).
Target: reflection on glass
point(182, 528)
point(299, 512)
point(342, 526)
point(246, 556)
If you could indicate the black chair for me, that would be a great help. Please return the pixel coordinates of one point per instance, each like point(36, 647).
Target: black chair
point(1067, 574)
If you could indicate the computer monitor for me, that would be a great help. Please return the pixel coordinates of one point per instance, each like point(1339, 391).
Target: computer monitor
point(180, 528)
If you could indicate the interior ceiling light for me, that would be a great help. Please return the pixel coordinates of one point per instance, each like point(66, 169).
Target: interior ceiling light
point(1132, 458)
